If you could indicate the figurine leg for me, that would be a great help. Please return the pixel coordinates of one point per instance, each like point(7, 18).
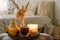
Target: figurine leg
point(6, 38)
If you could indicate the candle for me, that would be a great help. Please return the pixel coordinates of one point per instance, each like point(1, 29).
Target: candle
point(33, 28)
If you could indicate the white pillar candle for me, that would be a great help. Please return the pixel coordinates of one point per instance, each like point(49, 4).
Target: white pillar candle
point(33, 28)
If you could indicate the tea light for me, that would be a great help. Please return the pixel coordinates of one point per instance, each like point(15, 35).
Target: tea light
point(33, 28)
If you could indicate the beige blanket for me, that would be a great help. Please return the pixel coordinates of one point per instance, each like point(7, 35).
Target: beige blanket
point(42, 36)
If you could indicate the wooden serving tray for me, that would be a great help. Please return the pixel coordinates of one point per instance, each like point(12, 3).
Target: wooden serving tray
point(24, 37)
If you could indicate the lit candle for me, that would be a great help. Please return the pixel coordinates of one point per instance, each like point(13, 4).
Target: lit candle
point(33, 28)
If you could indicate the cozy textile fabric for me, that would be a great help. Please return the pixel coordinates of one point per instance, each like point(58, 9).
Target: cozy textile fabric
point(46, 8)
point(42, 36)
point(48, 29)
point(3, 35)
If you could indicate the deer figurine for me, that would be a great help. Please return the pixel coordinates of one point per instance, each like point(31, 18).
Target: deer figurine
point(21, 12)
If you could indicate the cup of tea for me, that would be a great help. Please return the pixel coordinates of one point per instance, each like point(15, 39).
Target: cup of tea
point(24, 30)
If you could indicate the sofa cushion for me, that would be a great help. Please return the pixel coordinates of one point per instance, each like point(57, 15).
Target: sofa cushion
point(46, 8)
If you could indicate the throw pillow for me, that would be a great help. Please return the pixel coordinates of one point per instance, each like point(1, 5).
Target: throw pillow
point(46, 8)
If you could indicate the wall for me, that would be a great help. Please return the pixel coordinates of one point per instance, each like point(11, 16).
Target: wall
point(57, 11)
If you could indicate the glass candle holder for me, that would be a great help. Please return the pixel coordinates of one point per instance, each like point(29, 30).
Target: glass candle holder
point(24, 30)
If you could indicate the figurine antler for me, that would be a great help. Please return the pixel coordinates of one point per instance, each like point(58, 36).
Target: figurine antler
point(26, 5)
point(15, 4)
